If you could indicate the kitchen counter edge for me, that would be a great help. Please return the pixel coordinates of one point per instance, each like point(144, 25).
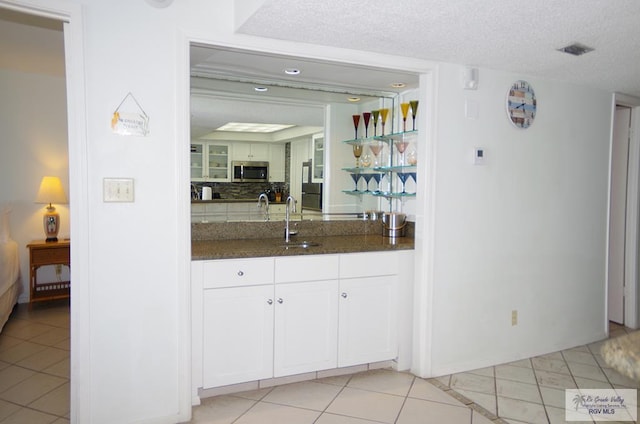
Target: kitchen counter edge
point(253, 248)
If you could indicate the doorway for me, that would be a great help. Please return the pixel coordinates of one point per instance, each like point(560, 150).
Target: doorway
point(70, 15)
point(624, 214)
point(617, 213)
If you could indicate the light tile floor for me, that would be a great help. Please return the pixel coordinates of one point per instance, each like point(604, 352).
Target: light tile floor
point(526, 391)
point(34, 365)
point(34, 386)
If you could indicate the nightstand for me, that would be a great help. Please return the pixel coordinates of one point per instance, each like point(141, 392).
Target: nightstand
point(43, 253)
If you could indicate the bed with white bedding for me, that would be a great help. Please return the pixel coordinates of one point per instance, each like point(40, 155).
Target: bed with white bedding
point(9, 270)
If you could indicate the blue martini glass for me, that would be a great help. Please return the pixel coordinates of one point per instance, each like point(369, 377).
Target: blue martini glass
point(367, 178)
point(377, 178)
point(355, 178)
point(414, 176)
point(403, 178)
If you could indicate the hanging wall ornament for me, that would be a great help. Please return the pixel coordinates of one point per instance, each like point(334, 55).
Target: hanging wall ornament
point(129, 118)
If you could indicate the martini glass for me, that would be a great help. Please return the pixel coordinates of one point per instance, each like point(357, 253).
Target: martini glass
point(355, 178)
point(376, 148)
point(404, 108)
point(377, 178)
point(357, 152)
point(376, 114)
point(384, 113)
point(401, 145)
point(366, 116)
point(414, 111)
point(413, 175)
point(367, 178)
point(403, 178)
point(356, 121)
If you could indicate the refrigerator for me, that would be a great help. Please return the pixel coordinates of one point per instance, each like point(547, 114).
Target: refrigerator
point(311, 192)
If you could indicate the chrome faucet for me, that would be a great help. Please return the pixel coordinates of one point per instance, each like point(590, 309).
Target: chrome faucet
point(287, 215)
point(264, 197)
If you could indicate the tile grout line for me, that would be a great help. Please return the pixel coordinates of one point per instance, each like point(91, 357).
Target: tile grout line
point(535, 376)
point(405, 400)
point(466, 401)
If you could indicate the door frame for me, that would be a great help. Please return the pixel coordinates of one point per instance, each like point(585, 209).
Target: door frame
point(631, 291)
point(70, 14)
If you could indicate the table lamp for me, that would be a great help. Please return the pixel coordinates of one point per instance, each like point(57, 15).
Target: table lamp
point(51, 191)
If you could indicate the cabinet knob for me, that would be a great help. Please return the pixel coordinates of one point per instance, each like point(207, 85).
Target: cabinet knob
point(270, 301)
point(240, 273)
point(280, 300)
point(344, 295)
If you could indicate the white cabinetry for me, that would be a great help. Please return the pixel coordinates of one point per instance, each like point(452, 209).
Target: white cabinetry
point(238, 336)
point(276, 162)
point(237, 321)
point(306, 329)
point(317, 147)
point(210, 161)
point(270, 317)
point(251, 151)
point(368, 308)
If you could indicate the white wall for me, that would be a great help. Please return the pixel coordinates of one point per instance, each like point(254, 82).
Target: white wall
point(33, 118)
point(525, 232)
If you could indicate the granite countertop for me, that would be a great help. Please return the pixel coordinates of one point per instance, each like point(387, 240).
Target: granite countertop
point(623, 354)
point(250, 248)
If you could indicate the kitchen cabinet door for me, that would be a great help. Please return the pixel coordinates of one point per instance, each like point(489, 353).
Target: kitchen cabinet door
point(368, 323)
point(276, 163)
point(237, 335)
point(306, 327)
point(210, 162)
point(317, 145)
point(251, 151)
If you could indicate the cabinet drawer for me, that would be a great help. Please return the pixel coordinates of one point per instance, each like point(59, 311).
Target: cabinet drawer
point(50, 255)
point(237, 272)
point(306, 268)
point(368, 264)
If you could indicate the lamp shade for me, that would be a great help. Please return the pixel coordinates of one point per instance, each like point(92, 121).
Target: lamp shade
point(51, 191)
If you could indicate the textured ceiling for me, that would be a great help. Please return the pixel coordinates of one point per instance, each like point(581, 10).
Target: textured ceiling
point(521, 37)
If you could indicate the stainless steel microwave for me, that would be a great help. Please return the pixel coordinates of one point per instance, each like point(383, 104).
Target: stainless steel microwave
point(249, 171)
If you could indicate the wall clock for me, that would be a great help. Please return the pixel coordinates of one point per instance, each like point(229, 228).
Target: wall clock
point(521, 104)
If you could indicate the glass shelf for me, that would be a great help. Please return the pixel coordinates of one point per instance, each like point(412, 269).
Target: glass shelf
point(386, 138)
point(378, 193)
point(381, 169)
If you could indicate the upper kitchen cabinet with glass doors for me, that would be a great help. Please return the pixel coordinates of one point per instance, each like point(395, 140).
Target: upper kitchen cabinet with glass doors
point(317, 144)
point(210, 162)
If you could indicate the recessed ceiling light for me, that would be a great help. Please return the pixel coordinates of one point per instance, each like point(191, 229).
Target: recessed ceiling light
point(253, 127)
point(398, 85)
point(576, 49)
point(292, 71)
point(261, 89)
point(353, 99)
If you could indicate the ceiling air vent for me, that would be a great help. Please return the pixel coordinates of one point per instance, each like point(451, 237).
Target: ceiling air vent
point(576, 49)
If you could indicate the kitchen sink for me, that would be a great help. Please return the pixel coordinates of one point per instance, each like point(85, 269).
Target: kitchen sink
point(300, 244)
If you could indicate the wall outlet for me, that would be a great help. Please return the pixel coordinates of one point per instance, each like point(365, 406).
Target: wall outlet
point(514, 317)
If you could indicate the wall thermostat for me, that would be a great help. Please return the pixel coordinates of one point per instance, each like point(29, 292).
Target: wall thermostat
point(479, 155)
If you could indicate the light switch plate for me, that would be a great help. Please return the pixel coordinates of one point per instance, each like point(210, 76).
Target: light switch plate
point(117, 190)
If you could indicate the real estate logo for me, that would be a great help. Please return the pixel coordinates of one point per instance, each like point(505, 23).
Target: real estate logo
point(601, 405)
